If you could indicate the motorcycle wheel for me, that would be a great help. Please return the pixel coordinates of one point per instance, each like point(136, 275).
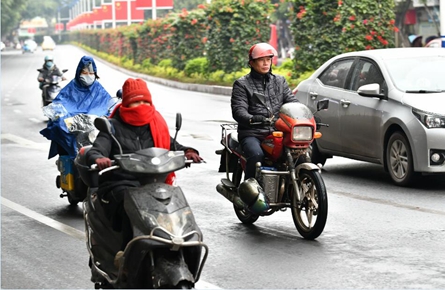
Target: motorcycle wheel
point(243, 215)
point(311, 213)
point(72, 200)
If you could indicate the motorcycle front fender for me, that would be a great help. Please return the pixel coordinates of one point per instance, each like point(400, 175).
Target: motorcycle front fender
point(307, 166)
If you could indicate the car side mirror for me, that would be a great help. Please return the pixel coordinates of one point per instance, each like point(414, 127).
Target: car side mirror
point(370, 90)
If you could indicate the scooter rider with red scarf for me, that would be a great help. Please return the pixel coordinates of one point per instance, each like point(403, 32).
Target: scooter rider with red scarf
point(137, 125)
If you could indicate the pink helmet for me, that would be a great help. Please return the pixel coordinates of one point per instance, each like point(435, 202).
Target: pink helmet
point(261, 50)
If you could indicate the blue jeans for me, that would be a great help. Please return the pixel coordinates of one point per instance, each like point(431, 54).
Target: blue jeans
point(253, 153)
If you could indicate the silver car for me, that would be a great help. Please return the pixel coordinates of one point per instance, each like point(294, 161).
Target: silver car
point(387, 106)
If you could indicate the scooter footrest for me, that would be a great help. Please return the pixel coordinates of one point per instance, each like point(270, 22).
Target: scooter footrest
point(227, 183)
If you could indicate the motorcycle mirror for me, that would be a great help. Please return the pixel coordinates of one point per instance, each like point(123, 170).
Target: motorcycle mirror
point(119, 94)
point(64, 70)
point(178, 126)
point(178, 121)
point(103, 125)
point(323, 104)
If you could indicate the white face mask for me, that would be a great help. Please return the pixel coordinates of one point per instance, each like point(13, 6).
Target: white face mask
point(87, 80)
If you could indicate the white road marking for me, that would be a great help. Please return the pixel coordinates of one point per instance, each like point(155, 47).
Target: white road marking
point(35, 120)
point(25, 142)
point(80, 235)
point(17, 111)
point(75, 233)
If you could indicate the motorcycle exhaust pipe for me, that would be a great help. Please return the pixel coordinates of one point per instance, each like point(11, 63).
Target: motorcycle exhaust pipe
point(230, 195)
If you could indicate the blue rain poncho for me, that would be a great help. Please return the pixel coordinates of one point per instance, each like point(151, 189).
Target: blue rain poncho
point(74, 99)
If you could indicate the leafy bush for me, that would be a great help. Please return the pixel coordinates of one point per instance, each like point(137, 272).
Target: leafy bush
point(233, 27)
point(165, 63)
point(198, 66)
point(325, 28)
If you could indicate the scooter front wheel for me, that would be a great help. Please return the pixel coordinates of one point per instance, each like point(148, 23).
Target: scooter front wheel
point(310, 213)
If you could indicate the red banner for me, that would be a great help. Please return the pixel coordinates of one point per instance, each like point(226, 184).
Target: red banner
point(148, 4)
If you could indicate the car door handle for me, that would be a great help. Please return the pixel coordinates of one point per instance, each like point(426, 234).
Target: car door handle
point(313, 95)
point(345, 103)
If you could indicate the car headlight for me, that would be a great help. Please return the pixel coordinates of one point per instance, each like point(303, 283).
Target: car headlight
point(301, 133)
point(430, 120)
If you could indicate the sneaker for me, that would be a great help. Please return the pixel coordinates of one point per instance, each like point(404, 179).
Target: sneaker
point(117, 259)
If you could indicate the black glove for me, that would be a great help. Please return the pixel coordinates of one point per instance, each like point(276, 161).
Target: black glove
point(257, 119)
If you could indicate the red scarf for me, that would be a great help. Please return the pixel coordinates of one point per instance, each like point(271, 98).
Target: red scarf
point(143, 115)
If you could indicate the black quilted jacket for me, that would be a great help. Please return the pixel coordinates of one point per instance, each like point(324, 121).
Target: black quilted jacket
point(245, 104)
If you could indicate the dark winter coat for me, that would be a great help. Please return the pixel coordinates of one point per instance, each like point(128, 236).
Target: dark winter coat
point(245, 105)
point(132, 139)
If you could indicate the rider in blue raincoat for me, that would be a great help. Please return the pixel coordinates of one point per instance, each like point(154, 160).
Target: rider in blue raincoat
point(83, 95)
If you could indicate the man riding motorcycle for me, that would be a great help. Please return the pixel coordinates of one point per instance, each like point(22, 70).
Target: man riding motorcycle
point(256, 97)
point(49, 68)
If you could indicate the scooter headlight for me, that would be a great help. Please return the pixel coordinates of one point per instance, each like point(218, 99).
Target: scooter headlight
point(301, 133)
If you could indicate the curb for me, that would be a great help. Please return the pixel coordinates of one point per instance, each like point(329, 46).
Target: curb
point(216, 90)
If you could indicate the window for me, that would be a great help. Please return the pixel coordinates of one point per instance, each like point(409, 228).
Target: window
point(335, 75)
point(366, 72)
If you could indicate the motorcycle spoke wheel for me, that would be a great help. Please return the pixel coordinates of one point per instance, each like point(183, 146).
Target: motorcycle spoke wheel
point(310, 214)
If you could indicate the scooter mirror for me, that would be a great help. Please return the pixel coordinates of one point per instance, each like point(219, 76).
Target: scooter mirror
point(64, 70)
point(323, 104)
point(103, 125)
point(178, 121)
point(119, 94)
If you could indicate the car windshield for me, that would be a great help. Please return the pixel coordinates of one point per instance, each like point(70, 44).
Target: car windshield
point(423, 74)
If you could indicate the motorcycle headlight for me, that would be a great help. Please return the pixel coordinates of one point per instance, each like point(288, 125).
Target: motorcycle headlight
point(430, 120)
point(301, 133)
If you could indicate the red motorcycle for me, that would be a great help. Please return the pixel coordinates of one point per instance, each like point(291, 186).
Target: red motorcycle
point(286, 178)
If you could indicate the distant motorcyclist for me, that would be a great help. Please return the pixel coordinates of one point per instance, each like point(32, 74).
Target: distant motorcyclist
point(82, 95)
point(49, 68)
point(248, 109)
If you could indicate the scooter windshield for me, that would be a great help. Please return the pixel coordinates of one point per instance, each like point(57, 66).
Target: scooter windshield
point(296, 111)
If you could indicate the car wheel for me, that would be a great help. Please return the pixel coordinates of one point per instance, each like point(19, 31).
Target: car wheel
point(315, 154)
point(399, 160)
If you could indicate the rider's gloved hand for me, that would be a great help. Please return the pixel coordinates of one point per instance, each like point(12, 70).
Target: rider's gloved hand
point(103, 162)
point(257, 119)
point(191, 154)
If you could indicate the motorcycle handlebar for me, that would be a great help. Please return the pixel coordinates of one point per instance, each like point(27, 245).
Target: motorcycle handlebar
point(93, 167)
